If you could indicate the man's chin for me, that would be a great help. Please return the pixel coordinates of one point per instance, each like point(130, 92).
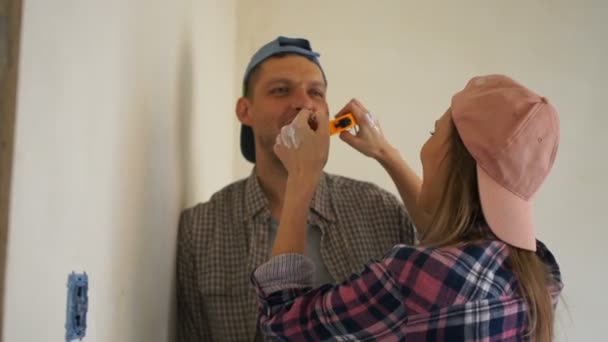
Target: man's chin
point(274, 159)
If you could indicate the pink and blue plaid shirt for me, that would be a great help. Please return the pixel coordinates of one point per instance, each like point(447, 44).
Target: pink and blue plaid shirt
point(464, 293)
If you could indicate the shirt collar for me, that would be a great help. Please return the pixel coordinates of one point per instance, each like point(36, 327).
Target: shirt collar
point(256, 201)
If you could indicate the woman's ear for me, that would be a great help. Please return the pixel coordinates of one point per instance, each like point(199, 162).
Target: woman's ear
point(242, 111)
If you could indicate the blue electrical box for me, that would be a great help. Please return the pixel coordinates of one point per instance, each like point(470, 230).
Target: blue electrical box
point(78, 302)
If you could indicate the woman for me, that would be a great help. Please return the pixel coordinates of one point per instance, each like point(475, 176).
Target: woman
point(478, 273)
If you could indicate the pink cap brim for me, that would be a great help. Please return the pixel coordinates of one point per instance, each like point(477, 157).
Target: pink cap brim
point(510, 217)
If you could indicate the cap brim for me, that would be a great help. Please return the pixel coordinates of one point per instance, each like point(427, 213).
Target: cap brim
point(247, 144)
point(510, 217)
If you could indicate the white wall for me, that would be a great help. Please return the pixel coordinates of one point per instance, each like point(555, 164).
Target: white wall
point(404, 60)
point(108, 138)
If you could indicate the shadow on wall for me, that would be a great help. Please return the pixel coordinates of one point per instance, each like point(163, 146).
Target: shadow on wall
point(184, 119)
point(183, 132)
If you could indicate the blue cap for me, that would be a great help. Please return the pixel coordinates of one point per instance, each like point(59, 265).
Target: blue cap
point(281, 45)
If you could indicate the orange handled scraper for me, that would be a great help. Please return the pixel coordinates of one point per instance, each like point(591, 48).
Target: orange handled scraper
point(342, 123)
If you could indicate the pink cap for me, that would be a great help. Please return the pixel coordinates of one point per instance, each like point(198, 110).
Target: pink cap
point(513, 134)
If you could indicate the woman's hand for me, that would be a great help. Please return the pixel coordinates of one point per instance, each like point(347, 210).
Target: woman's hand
point(303, 146)
point(369, 139)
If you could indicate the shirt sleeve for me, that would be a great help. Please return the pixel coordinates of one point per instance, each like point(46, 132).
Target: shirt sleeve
point(367, 305)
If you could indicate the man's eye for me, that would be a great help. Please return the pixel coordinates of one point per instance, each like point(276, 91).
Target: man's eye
point(317, 93)
point(280, 90)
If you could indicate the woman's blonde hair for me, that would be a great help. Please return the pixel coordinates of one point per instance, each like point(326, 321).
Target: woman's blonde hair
point(459, 219)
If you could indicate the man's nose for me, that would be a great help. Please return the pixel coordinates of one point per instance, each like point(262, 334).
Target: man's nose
point(302, 100)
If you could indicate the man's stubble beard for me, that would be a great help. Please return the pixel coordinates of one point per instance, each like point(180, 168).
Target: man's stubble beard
point(268, 148)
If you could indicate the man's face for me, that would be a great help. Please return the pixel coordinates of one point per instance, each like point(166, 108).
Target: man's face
point(281, 87)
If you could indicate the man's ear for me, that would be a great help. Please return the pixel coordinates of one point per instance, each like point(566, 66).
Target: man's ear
point(242, 111)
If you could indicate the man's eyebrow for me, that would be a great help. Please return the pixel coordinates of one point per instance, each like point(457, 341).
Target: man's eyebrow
point(282, 80)
point(318, 84)
point(277, 80)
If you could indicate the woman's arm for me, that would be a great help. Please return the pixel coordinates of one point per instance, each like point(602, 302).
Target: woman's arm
point(370, 141)
point(303, 151)
point(291, 235)
point(408, 184)
point(369, 305)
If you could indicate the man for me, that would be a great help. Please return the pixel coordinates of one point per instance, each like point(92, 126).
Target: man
point(222, 241)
